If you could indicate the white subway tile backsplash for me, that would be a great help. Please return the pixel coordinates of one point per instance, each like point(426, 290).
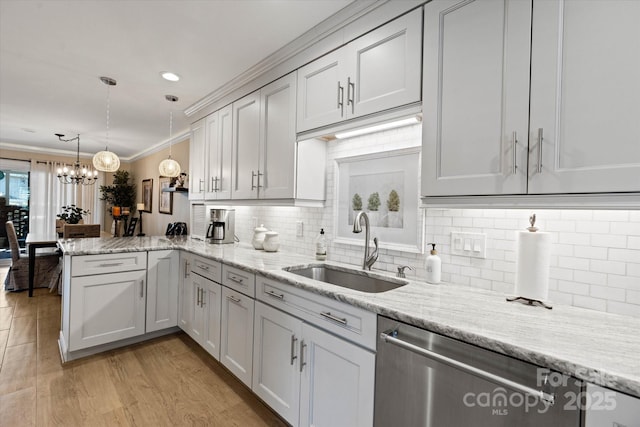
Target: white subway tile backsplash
point(595, 253)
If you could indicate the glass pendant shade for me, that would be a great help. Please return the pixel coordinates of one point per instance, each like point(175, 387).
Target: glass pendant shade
point(169, 167)
point(106, 161)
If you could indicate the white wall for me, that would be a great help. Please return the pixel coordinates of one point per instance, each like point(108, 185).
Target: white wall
point(595, 257)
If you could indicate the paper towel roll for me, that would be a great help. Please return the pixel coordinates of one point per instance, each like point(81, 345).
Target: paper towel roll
point(532, 265)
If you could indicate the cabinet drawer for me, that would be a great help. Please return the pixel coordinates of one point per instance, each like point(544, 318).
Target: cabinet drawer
point(352, 323)
point(85, 265)
point(239, 280)
point(208, 268)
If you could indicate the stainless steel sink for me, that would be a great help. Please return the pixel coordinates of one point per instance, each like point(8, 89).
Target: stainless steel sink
point(357, 280)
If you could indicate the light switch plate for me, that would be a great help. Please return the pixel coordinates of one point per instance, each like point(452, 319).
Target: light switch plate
point(469, 244)
point(299, 229)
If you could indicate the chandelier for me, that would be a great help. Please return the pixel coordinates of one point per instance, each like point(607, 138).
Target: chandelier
point(169, 167)
point(77, 174)
point(107, 161)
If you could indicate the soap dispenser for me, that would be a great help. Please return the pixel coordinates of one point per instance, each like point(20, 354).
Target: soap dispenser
point(321, 246)
point(434, 266)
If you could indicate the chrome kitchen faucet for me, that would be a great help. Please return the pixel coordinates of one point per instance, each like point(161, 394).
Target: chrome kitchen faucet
point(369, 260)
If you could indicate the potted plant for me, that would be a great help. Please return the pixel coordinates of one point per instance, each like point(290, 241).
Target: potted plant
point(71, 214)
point(373, 204)
point(393, 205)
point(356, 205)
point(121, 194)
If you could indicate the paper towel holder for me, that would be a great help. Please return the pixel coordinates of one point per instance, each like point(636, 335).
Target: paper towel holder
point(528, 301)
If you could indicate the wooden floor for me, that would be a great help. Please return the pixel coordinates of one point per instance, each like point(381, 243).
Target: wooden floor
point(168, 381)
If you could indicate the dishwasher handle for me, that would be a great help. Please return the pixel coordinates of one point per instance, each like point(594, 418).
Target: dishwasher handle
point(547, 398)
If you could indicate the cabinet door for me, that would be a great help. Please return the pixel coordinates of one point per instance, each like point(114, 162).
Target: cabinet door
point(198, 286)
point(276, 377)
point(475, 100)
point(211, 155)
point(196, 160)
point(225, 142)
point(236, 346)
point(337, 384)
point(385, 67)
point(162, 289)
point(321, 91)
point(246, 140)
point(584, 97)
point(106, 308)
point(211, 305)
point(278, 138)
point(185, 312)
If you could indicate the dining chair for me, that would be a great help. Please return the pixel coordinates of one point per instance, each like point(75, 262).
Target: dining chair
point(73, 231)
point(47, 270)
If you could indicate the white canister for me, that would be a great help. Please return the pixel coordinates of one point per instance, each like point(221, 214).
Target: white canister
point(258, 237)
point(271, 241)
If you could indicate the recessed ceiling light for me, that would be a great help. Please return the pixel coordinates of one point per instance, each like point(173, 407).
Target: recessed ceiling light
point(28, 130)
point(168, 75)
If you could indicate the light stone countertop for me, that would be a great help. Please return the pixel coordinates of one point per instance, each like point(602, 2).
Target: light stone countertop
point(598, 347)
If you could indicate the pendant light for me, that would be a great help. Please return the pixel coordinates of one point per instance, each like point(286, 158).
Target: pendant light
point(169, 167)
point(106, 161)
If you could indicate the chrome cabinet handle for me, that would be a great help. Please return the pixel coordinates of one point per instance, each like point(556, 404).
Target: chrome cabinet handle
point(302, 362)
point(200, 184)
point(141, 288)
point(198, 296)
point(234, 299)
point(340, 98)
point(187, 268)
point(514, 142)
point(202, 300)
point(112, 264)
point(293, 348)
point(328, 315)
point(259, 175)
point(216, 188)
point(351, 92)
point(545, 397)
point(213, 184)
point(253, 175)
point(274, 295)
point(235, 279)
point(540, 139)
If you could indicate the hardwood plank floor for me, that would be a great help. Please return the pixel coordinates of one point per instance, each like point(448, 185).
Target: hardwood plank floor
point(169, 381)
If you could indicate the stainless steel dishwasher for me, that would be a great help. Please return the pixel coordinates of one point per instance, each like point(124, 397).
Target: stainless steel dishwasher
point(426, 379)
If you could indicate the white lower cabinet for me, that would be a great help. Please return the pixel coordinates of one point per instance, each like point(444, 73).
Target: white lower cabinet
point(106, 307)
point(309, 376)
point(162, 289)
point(236, 346)
point(206, 302)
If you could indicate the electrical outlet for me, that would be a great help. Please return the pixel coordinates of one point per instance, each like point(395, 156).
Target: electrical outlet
point(469, 244)
point(254, 221)
point(299, 229)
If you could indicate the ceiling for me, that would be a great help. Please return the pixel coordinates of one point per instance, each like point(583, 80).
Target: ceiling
point(52, 54)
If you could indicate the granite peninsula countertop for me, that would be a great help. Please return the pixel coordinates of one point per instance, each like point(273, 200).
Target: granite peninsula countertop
point(598, 347)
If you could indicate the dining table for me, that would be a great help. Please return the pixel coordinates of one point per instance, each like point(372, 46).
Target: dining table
point(34, 242)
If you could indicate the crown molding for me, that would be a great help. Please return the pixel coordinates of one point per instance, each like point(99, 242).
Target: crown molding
point(182, 136)
point(331, 25)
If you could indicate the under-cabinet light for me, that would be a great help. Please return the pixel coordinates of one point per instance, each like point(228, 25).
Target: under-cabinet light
point(379, 127)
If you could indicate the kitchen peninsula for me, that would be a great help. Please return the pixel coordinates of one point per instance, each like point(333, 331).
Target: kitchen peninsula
point(593, 346)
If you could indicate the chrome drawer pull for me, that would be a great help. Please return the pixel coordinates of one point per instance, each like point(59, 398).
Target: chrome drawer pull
point(203, 266)
point(234, 299)
point(541, 395)
point(113, 264)
point(341, 320)
point(274, 295)
point(235, 279)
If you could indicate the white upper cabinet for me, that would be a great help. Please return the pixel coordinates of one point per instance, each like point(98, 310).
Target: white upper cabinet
point(219, 131)
point(197, 160)
point(245, 153)
point(476, 91)
point(585, 96)
point(376, 72)
point(578, 130)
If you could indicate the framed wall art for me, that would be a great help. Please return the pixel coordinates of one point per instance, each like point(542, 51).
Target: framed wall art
point(165, 206)
point(385, 185)
point(147, 194)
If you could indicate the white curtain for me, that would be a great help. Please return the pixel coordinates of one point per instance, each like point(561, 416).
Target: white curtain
point(48, 195)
